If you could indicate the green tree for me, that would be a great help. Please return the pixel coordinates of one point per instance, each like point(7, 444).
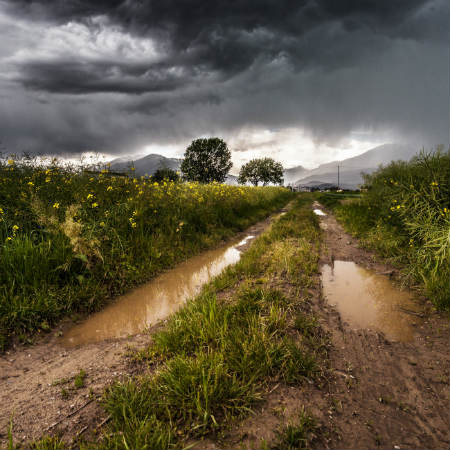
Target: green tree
point(206, 160)
point(165, 173)
point(265, 170)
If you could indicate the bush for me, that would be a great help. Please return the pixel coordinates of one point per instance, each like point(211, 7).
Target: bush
point(165, 174)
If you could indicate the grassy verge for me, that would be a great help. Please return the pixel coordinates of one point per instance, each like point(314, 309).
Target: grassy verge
point(405, 216)
point(70, 239)
point(217, 357)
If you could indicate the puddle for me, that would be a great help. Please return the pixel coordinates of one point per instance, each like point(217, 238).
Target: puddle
point(368, 300)
point(319, 212)
point(157, 299)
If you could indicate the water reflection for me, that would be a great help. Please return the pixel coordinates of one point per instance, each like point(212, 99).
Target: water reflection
point(368, 300)
point(159, 298)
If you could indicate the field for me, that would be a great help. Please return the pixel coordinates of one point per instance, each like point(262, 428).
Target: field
point(70, 238)
point(405, 216)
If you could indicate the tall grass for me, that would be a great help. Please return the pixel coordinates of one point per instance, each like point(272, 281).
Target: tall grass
point(70, 238)
point(405, 215)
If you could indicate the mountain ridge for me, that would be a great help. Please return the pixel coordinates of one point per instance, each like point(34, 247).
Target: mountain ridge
point(349, 169)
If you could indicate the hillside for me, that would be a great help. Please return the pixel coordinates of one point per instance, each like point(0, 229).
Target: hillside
point(146, 165)
point(350, 169)
point(293, 174)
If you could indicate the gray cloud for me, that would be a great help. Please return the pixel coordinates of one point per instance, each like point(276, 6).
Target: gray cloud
point(326, 67)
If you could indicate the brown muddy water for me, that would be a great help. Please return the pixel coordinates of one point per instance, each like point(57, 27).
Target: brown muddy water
point(368, 300)
point(133, 312)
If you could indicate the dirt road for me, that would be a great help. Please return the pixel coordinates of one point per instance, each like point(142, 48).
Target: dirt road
point(378, 392)
point(37, 382)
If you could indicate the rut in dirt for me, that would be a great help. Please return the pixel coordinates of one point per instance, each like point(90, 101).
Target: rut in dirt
point(390, 352)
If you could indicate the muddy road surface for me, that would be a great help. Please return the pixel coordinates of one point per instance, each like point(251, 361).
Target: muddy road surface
point(37, 382)
point(390, 361)
point(387, 384)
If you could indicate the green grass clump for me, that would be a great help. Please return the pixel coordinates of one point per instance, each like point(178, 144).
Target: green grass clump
point(214, 358)
point(405, 215)
point(79, 379)
point(296, 435)
point(71, 238)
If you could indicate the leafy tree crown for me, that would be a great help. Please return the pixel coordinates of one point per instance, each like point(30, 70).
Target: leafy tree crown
point(265, 170)
point(206, 160)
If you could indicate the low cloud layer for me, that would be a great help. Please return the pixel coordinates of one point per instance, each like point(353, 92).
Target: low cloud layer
point(115, 76)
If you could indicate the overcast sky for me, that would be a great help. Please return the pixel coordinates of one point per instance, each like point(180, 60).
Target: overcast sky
point(304, 81)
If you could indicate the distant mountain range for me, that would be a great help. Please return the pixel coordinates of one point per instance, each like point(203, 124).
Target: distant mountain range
point(146, 165)
point(293, 174)
point(349, 169)
point(149, 164)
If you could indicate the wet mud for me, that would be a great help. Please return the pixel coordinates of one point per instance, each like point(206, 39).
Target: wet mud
point(156, 300)
point(369, 300)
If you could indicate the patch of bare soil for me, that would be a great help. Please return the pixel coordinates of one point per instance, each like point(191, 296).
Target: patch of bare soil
point(37, 383)
point(376, 393)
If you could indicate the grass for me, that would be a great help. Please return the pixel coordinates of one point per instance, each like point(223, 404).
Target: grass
point(215, 359)
point(296, 435)
point(405, 216)
point(79, 379)
point(70, 238)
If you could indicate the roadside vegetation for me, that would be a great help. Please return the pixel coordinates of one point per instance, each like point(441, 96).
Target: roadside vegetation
point(71, 238)
point(405, 215)
point(218, 357)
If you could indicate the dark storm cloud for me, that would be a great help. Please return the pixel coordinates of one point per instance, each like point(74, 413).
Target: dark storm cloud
point(72, 77)
point(227, 37)
point(326, 66)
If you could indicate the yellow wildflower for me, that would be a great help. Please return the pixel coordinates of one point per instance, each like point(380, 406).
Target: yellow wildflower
point(109, 188)
point(89, 196)
point(56, 205)
point(15, 228)
point(94, 205)
point(10, 162)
